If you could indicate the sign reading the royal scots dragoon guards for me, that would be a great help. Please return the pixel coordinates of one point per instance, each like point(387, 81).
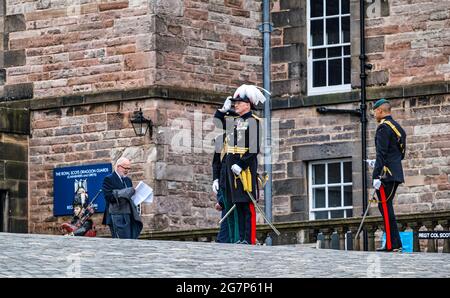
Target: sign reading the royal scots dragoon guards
point(82, 181)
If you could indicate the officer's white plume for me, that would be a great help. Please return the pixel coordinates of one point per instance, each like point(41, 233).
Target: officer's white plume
point(252, 93)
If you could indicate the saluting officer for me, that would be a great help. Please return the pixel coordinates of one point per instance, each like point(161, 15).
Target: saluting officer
point(390, 143)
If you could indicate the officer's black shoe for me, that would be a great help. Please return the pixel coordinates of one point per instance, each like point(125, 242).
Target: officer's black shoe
point(244, 242)
point(238, 242)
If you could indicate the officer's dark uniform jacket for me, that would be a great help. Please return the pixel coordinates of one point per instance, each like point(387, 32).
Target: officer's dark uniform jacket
point(390, 150)
point(241, 147)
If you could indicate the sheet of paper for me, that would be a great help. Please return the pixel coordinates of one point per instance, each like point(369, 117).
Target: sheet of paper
point(143, 194)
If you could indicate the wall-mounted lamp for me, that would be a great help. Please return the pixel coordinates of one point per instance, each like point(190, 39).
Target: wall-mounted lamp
point(141, 124)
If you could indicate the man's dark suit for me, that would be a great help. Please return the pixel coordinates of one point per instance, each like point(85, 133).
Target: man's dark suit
point(120, 213)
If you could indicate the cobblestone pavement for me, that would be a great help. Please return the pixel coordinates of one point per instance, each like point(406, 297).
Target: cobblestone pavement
point(24, 255)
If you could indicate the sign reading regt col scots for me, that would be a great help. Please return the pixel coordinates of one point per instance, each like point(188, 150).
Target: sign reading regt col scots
point(84, 181)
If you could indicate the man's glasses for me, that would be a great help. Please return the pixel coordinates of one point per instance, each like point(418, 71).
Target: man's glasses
point(125, 168)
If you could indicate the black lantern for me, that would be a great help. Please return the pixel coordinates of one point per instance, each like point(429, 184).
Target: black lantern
point(141, 124)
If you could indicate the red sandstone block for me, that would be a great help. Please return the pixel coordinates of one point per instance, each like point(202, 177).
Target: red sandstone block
point(233, 3)
point(45, 123)
point(45, 14)
point(229, 56)
point(121, 50)
point(88, 8)
point(139, 61)
point(240, 13)
point(196, 14)
point(113, 5)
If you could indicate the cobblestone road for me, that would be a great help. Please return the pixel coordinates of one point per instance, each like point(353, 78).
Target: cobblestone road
point(23, 255)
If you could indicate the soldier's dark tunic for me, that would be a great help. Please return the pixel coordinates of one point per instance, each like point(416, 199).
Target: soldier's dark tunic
point(390, 143)
point(242, 144)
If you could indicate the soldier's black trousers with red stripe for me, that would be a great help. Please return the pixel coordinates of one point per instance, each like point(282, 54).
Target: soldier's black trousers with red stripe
point(246, 222)
point(386, 195)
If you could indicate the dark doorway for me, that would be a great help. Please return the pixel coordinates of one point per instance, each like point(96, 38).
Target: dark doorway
point(4, 211)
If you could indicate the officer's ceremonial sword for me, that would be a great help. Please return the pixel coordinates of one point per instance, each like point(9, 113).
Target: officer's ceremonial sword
point(259, 210)
point(228, 213)
point(365, 214)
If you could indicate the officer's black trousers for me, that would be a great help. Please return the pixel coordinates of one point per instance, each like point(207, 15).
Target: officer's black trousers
point(387, 211)
point(246, 222)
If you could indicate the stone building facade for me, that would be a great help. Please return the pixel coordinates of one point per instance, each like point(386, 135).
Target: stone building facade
point(81, 68)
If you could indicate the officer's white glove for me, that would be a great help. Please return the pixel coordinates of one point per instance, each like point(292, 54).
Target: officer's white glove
point(377, 184)
point(236, 169)
point(215, 186)
point(226, 105)
point(371, 162)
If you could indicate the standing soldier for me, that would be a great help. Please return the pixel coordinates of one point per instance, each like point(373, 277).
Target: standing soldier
point(390, 143)
point(240, 163)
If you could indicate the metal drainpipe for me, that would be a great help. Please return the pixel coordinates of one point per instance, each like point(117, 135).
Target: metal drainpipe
point(266, 28)
point(362, 58)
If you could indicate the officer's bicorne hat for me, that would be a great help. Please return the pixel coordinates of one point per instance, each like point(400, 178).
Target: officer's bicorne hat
point(379, 102)
point(250, 94)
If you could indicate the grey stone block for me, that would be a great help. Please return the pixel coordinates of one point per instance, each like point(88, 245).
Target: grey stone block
point(14, 58)
point(286, 87)
point(323, 151)
point(72, 100)
point(170, 44)
point(377, 78)
point(375, 44)
point(296, 169)
point(289, 217)
point(16, 170)
point(18, 225)
point(14, 23)
point(294, 17)
point(291, 53)
point(293, 35)
point(287, 124)
point(288, 187)
point(296, 70)
point(299, 204)
point(289, 4)
point(2, 76)
point(71, 130)
point(165, 171)
point(10, 151)
point(19, 91)
point(18, 206)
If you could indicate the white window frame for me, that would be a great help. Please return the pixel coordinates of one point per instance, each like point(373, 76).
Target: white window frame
point(342, 184)
point(327, 89)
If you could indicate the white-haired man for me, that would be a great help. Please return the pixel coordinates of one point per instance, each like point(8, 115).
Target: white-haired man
point(120, 212)
point(240, 163)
